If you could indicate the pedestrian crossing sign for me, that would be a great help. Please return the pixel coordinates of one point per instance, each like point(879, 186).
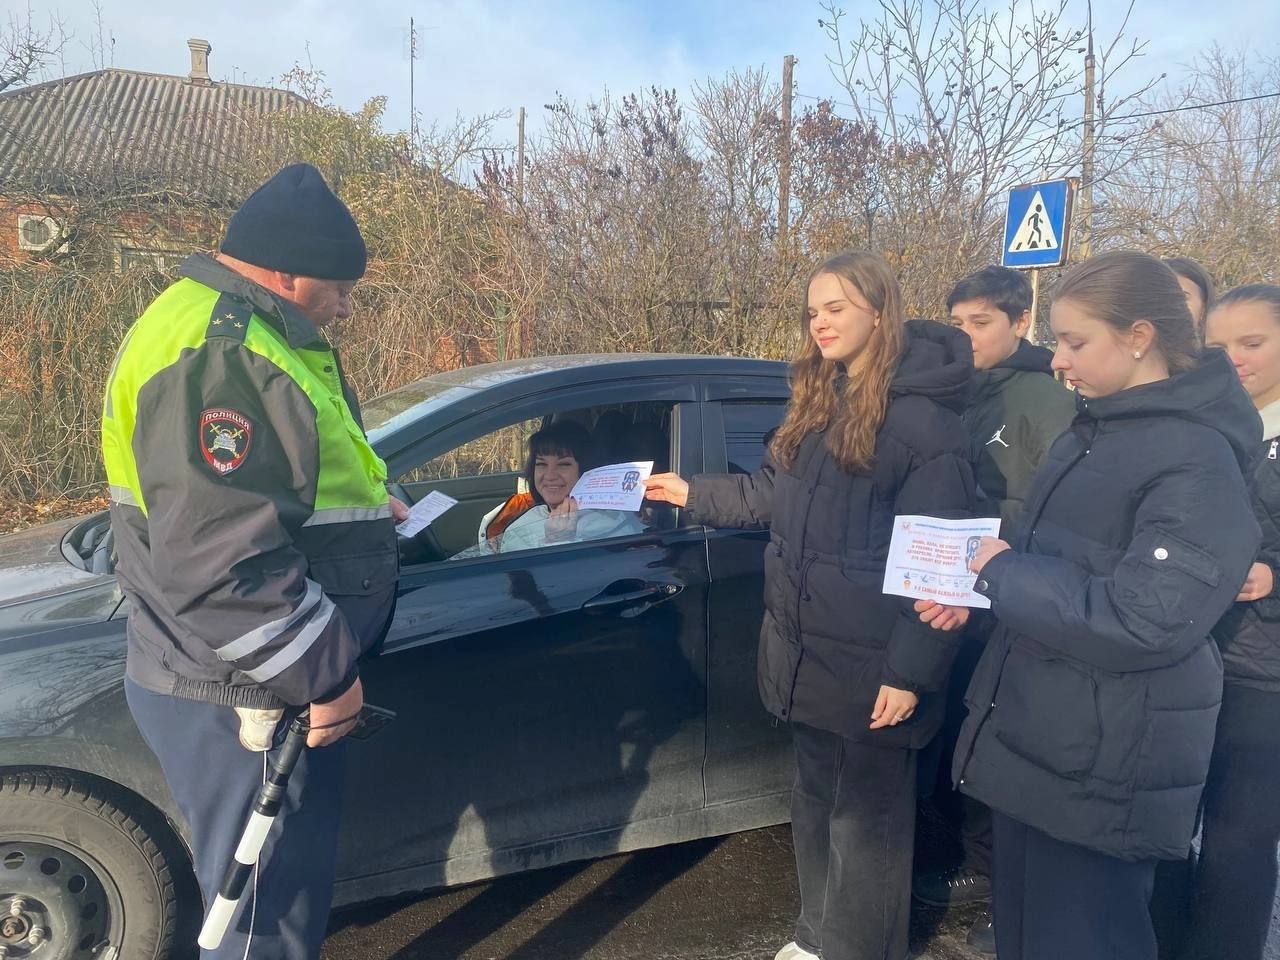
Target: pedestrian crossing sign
point(1037, 224)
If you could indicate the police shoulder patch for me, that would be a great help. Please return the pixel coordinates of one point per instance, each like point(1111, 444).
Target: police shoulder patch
point(225, 436)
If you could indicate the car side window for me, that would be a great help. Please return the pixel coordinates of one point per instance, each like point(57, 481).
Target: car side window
point(498, 512)
point(747, 424)
point(500, 452)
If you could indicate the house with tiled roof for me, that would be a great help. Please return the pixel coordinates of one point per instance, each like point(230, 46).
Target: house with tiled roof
point(124, 140)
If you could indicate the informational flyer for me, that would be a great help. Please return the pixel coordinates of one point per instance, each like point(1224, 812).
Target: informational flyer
point(424, 511)
point(619, 486)
point(929, 559)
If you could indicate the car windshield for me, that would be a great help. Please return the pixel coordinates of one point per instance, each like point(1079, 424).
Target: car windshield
point(380, 411)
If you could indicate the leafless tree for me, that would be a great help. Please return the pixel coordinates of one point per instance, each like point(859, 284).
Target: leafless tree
point(1205, 180)
point(27, 47)
point(974, 99)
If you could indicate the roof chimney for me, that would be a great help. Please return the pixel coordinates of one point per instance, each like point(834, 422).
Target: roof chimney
point(200, 50)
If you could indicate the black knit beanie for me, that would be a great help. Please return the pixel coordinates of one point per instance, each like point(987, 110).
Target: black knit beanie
point(295, 224)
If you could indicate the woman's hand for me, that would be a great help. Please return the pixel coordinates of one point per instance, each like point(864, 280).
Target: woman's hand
point(940, 616)
point(667, 488)
point(989, 548)
point(892, 707)
point(562, 521)
point(1260, 582)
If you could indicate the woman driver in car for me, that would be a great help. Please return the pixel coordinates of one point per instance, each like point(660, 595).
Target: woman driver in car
point(558, 455)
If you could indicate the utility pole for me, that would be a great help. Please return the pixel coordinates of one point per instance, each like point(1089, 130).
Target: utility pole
point(517, 325)
point(413, 117)
point(1086, 171)
point(1033, 333)
point(784, 161)
point(520, 158)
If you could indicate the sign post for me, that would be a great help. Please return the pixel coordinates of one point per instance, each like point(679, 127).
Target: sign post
point(1037, 230)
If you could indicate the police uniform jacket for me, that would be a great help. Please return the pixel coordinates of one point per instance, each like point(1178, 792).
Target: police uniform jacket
point(255, 542)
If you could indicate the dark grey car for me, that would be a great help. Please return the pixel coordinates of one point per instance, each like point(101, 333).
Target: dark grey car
point(552, 704)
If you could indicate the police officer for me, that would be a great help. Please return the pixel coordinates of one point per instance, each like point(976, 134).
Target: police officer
point(256, 543)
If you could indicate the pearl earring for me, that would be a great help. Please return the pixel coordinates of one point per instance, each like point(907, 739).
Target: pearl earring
point(1137, 354)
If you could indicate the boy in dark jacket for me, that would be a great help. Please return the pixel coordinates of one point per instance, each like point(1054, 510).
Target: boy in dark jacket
point(1016, 410)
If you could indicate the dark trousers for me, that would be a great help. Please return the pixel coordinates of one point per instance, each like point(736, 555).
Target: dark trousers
point(853, 826)
point(971, 818)
point(1059, 901)
point(1235, 886)
point(285, 908)
point(975, 835)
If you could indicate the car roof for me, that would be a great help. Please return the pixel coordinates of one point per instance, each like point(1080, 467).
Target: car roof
point(465, 392)
point(569, 368)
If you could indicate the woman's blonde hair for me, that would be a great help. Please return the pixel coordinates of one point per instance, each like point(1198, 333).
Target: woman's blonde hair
point(851, 417)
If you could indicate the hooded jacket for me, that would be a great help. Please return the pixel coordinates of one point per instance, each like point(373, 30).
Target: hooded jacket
point(1249, 633)
point(830, 636)
point(1093, 709)
point(1015, 413)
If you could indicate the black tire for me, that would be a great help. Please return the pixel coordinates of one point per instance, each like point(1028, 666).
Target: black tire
point(88, 870)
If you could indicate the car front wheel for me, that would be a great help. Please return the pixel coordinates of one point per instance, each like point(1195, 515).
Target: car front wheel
point(81, 877)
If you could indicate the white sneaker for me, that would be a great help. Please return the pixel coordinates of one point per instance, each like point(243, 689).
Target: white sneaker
point(793, 951)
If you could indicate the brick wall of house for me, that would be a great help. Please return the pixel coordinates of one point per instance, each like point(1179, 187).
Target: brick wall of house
point(135, 236)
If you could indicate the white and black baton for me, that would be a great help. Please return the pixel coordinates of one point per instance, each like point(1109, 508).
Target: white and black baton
point(266, 807)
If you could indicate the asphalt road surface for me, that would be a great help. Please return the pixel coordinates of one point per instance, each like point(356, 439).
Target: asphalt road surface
point(729, 898)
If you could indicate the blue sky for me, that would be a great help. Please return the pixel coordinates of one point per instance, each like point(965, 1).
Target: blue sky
point(479, 56)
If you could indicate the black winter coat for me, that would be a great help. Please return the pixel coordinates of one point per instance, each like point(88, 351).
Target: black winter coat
point(1093, 708)
point(830, 637)
point(1016, 411)
point(1249, 634)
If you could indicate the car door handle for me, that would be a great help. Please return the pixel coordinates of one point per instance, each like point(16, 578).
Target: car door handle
point(652, 592)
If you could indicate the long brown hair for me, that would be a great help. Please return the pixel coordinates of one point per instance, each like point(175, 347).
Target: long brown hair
point(851, 418)
point(1124, 287)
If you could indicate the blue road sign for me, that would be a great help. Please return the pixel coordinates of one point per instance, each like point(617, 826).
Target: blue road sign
point(1037, 224)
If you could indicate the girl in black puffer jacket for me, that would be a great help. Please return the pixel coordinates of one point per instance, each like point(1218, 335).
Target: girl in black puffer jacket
point(873, 430)
point(1236, 879)
point(1092, 712)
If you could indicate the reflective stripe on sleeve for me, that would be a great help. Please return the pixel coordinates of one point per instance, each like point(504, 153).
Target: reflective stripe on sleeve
point(298, 646)
point(347, 515)
point(123, 495)
point(258, 638)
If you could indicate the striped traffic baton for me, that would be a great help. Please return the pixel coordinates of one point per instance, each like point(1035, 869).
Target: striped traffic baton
point(266, 807)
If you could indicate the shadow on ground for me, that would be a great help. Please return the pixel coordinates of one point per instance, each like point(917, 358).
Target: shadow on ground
point(730, 898)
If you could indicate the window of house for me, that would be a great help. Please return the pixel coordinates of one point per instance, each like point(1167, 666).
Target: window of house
point(132, 258)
